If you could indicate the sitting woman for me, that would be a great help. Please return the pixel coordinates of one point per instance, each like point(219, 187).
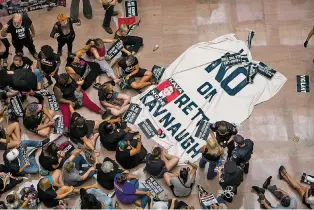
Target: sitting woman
point(181, 184)
point(111, 132)
point(116, 102)
point(10, 136)
point(130, 151)
point(51, 189)
point(79, 69)
point(72, 167)
point(7, 181)
point(306, 193)
point(159, 162)
point(131, 43)
point(126, 187)
point(106, 173)
point(168, 204)
point(96, 199)
point(131, 70)
point(38, 119)
point(50, 158)
point(68, 92)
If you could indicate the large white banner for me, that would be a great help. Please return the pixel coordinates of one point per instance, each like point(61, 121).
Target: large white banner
point(209, 82)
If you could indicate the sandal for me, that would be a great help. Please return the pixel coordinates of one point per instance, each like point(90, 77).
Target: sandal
point(281, 168)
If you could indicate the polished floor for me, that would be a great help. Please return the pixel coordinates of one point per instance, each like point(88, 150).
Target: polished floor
point(281, 27)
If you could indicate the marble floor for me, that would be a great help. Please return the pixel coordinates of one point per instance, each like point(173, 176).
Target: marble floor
point(281, 27)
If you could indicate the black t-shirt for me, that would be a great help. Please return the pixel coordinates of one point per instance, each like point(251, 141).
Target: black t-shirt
point(86, 130)
point(125, 159)
point(179, 204)
point(210, 156)
point(106, 180)
point(49, 65)
point(231, 130)
point(22, 32)
point(234, 179)
point(27, 64)
point(48, 197)
point(33, 121)
point(47, 162)
point(110, 141)
point(154, 166)
point(127, 69)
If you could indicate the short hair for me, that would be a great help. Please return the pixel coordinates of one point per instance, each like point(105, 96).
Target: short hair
point(122, 178)
point(18, 57)
point(47, 51)
point(156, 152)
point(285, 201)
point(108, 127)
point(10, 198)
point(63, 78)
point(68, 166)
point(238, 139)
point(99, 43)
point(71, 57)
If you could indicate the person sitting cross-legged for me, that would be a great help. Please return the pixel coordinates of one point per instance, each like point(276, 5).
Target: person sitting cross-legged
point(10, 136)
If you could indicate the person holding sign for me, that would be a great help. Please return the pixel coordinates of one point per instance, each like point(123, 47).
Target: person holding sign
point(51, 158)
point(78, 68)
point(131, 70)
point(38, 119)
point(68, 92)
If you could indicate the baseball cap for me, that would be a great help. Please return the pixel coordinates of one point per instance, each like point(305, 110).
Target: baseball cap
point(12, 155)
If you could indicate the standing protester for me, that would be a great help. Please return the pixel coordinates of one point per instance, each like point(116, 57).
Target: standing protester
point(87, 10)
point(48, 63)
point(63, 32)
point(242, 153)
point(108, 6)
point(224, 134)
point(22, 31)
point(4, 50)
point(309, 37)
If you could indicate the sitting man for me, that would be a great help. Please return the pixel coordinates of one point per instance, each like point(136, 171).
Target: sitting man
point(286, 201)
point(10, 136)
point(130, 70)
point(72, 167)
point(116, 102)
point(158, 162)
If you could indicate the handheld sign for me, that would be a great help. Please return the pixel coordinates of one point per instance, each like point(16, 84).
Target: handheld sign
point(17, 106)
point(148, 128)
point(52, 102)
point(132, 113)
point(265, 70)
point(131, 8)
point(203, 130)
point(303, 83)
point(114, 50)
point(158, 71)
point(153, 186)
point(43, 92)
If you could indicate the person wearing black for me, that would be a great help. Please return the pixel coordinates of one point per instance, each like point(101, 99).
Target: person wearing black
point(130, 151)
point(4, 51)
point(108, 6)
point(230, 178)
point(7, 181)
point(111, 132)
point(131, 43)
point(22, 31)
point(243, 152)
point(78, 68)
point(50, 158)
point(63, 32)
point(224, 134)
point(48, 63)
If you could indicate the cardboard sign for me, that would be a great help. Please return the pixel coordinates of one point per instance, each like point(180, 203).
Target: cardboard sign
point(148, 128)
point(53, 104)
point(265, 70)
point(303, 83)
point(252, 72)
point(132, 113)
point(158, 71)
point(208, 200)
point(17, 106)
point(59, 126)
point(114, 50)
point(131, 8)
point(153, 186)
point(203, 130)
point(43, 92)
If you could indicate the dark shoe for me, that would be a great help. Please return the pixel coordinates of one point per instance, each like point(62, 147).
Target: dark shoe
point(258, 190)
point(115, 13)
point(108, 29)
point(49, 9)
point(267, 182)
point(106, 114)
point(88, 16)
point(303, 178)
point(35, 55)
point(45, 141)
point(281, 168)
point(78, 22)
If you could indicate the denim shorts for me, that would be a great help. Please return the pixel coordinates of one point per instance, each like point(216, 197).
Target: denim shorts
point(39, 75)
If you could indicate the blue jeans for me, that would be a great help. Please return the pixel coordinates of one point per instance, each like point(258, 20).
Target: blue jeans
point(102, 197)
point(33, 168)
point(144, 198)
point(79, 161)
point(211, 173)
point(39, 75)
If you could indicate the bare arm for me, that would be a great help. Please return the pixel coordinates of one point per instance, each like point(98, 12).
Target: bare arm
point(59, 96)
point(172, 204)
point(310, 34)
point(139, 192)
point(72, 73)
point(108, 40)
point(25, 203)
point(4, 32)
point(117, 68)
point(82, 51)
point(87, 142)
point(87, 173)
point(136, 150)
point(126, 51)
point(106, 104)
point(74, 154)
point(32, 30)
point(61, 196)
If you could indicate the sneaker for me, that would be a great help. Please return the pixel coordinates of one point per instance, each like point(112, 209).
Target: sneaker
point(108, 29)
point(258, 190)
point(45, 141)
point(267, 182)
point(106, 114)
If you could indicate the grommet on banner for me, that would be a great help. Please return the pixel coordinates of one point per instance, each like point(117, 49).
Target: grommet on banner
point(296, 139)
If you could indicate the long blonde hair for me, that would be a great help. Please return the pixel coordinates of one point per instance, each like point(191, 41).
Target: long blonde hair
point(213, 147)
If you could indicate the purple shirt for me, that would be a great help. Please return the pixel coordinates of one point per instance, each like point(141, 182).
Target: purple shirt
point(127, 196)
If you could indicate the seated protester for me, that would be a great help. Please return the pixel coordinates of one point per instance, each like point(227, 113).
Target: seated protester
point(38, 119)
point(116, 102)
point(106, 173)
point(95, 199)
point(79, 69)
point(19, 161)
point(72, 167)
point(182, 184)
point(131, 70)
point(306, 193)
point(50, 158)
point(51, 189)
point(126, 187)
point(10, 136)
point(6, 112)
point(27, 199)
point(224, 134)
point(230, 176)
point(171, 204)
point(111, 132)
point(159, 162)
point(130, 151)
point(68, 92)
point(20, 62)
point(211, 154)
point(7, 180)
point(131, 43)
point(48, 63)
point(4, 52)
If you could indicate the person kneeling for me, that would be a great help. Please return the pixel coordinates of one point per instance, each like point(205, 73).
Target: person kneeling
point(72, 167)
